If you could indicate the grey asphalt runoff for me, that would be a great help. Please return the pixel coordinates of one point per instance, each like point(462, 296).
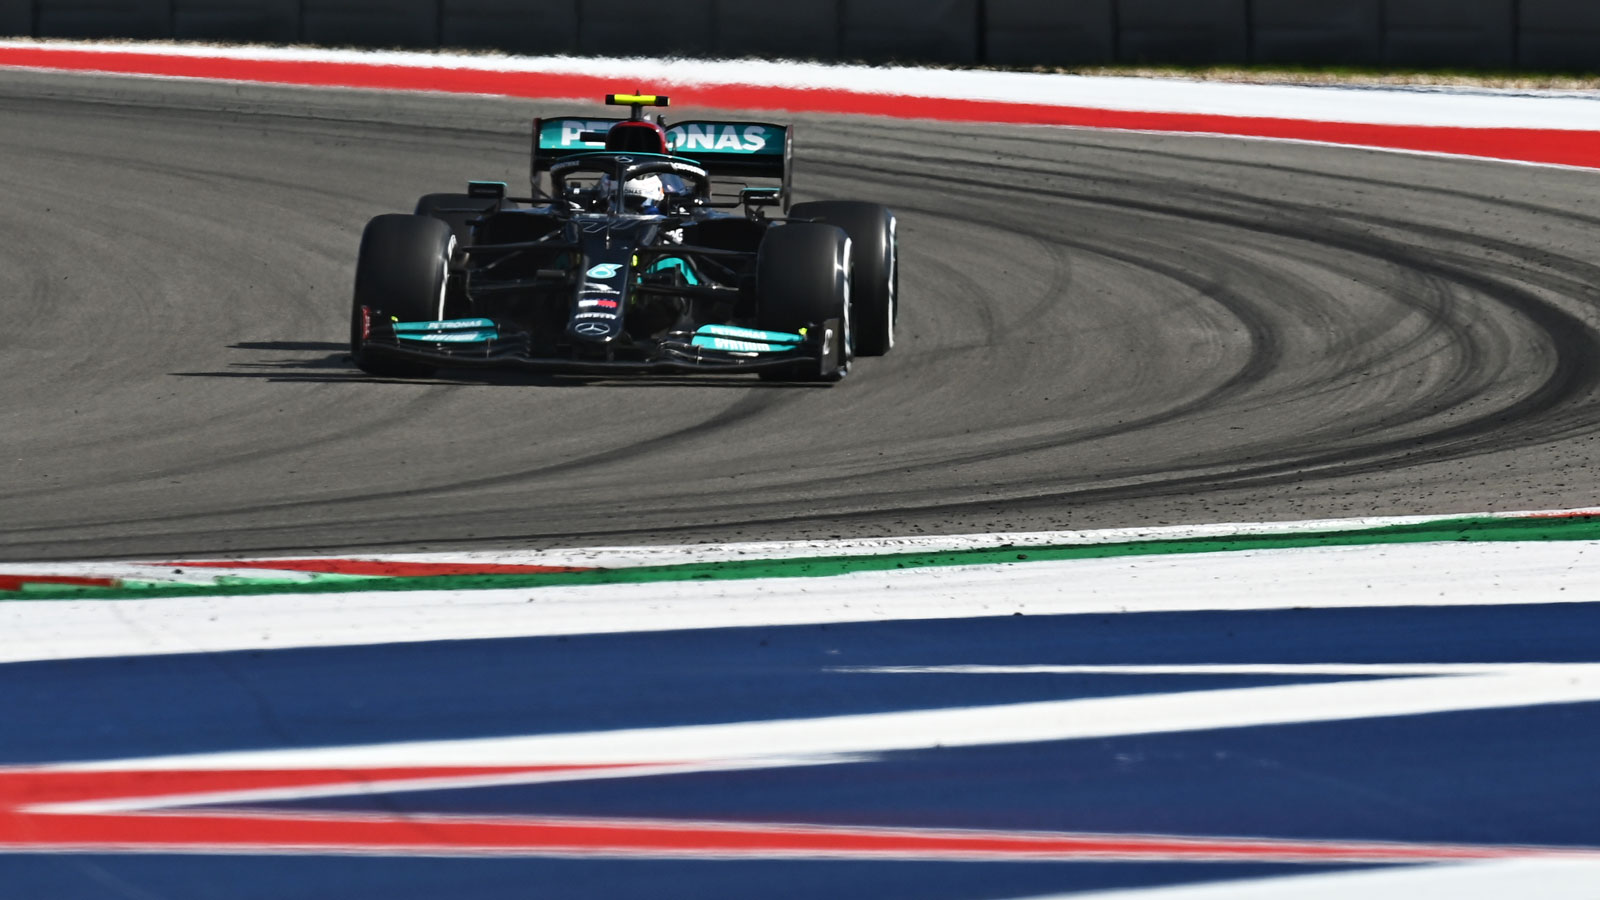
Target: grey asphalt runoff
point(1099, 330)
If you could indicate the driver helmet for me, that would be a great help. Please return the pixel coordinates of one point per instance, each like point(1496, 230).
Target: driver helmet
point(644, 194)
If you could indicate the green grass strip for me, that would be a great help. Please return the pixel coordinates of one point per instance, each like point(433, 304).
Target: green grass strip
point(1476, 529)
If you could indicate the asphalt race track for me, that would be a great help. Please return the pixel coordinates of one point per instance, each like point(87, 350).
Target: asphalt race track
point(1098, 330)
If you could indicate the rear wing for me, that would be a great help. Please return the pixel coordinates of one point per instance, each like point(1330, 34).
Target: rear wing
point(749, 149)
point(723, 149)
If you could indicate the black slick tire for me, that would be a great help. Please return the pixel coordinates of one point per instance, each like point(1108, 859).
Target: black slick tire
point(458, 211)
point(401, 272)
point(876, 299)
point(803, 279)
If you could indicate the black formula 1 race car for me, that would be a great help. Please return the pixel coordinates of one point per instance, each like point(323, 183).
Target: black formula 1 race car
point(630, 259)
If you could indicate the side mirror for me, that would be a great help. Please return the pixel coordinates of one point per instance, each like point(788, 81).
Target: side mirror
point(487, 190)
point(761, 196)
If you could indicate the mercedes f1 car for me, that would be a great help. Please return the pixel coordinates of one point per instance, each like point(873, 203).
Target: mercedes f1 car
point(642, 248)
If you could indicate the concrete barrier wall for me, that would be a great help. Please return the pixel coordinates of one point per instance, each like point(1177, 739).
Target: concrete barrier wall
point(646, 28)
point(271, 21)
point(16, 16)
point(1030, 33)
point(1561, 34)
point(103, 18)
point(375, 23)
point(1478, 33)
point(1182, 31)
point(1296, 31)
point(515, 26)
point(935, 30)
point(794, 28)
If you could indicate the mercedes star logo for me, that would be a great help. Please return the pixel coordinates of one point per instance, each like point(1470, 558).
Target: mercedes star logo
point(591, 328)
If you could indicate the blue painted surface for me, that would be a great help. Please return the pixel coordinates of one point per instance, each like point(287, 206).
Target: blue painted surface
point(1512, 776)
point(195, 703)
point(257, 878)
point(1444, 778)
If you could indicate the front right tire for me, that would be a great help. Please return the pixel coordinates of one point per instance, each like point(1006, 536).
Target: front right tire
point(803, 278)
point(874, 236)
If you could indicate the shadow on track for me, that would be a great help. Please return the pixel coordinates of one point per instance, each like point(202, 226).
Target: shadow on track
point(334, 366)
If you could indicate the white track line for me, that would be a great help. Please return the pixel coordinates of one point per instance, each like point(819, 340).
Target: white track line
point(674, 554)
point(1578, 111)
point(1532, 879)
point(357, 785)
point(1310, 669)
point(827, 738)
point(1345, 577)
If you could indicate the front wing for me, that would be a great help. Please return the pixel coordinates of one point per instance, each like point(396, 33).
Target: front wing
point(486, 343)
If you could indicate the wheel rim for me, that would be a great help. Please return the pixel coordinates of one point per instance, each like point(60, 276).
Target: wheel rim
point(893, 311)
point(444, 277)
point(847, 340)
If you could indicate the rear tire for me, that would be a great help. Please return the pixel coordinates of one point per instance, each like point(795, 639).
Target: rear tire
point(402, 272)
point(803, 278)
point(873, 232)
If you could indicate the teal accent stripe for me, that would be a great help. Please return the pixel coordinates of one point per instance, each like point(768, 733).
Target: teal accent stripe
point(445, 325)
point(682, 266)
point(708, 342)
point(451, 337)
point(749, 334)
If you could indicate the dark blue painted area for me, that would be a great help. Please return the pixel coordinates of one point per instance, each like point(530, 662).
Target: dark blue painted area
point(196, 703)
point(1498, 776)
point(1514, 776)
point(98, 877)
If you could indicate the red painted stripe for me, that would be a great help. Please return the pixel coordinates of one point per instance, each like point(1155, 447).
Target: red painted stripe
point(375, 567)
point(18, 582)
point(539, 836)
point(1574, 148)
point(335, 831)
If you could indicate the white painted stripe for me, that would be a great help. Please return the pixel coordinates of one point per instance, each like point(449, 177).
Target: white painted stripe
point(1376, 670)
point(1544, 879)
point(1057, 720)
point(611, 556)
point(1344, 577)
point(1394, 106)
point(1375, 148)
point(358, 786)
point(157, 573)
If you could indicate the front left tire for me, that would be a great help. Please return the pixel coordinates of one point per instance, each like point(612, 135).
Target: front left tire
point(402, 272)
